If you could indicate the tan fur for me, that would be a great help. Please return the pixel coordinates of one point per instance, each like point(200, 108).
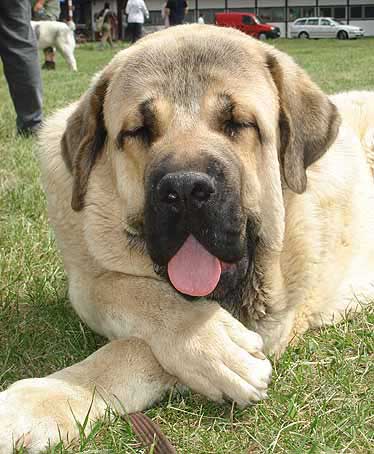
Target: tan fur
point(308, 178)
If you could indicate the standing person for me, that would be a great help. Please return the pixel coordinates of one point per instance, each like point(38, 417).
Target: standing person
point(19, 54)
point(136, 10)
point(47, 10)
point(124, 25)
point(165, 16)
point(200, 20)
point(104, 25)
point(176, 10)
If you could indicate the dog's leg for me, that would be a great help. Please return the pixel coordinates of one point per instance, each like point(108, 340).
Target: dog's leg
point(70, 59)
point(67, 51)
point(124, 376)
point(198, 342)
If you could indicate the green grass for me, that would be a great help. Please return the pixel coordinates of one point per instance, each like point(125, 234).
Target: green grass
point(322, 394)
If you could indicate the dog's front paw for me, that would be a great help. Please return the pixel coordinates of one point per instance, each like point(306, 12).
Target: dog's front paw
point(36, 413)
point(219, 358)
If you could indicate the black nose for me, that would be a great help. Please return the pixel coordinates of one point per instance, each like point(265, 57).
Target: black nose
point(185, 189)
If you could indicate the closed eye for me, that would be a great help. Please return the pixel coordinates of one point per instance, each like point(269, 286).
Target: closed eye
point(141, 133)
point(148, 131)
point(233, 128)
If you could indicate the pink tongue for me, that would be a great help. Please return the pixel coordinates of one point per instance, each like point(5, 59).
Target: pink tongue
point(193, 270)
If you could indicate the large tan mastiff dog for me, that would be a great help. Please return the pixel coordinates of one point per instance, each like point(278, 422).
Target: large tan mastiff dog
point(210, 204)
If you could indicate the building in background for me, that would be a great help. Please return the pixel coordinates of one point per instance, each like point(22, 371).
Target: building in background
point(277, 12)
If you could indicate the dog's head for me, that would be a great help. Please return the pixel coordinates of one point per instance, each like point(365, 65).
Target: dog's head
point(195, 132)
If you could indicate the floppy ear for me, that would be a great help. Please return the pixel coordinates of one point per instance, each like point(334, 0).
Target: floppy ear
point(308, 120)
point(83, 140)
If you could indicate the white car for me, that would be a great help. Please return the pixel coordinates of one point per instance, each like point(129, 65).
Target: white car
point(324, 27)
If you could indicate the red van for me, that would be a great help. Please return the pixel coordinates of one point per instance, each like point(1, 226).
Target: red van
point(248, 23)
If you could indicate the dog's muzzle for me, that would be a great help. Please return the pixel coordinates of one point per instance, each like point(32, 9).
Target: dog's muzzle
point(194, 228)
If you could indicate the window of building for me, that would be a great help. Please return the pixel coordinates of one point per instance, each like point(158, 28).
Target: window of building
point(369, 12)
point(339, 12)
point(356, 12)
point(308, 11)
point(274, 14)
point(209, 14)
point(190, 17)
point(155, 18)
point(278, 14)
point(240, 10)
point(299, 11)
point(265, 13)
point(294, 13)
point(325, 11)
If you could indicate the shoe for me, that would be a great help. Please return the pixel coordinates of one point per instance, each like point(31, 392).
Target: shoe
point(49, 65)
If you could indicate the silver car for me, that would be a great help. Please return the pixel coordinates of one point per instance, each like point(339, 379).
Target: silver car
point(324, 27)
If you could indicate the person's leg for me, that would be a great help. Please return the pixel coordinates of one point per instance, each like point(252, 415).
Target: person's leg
point(49, 58)
point(138, 31)
point(129, 32)
point(18, 51)
point(132, 26)
point(104, 36)
point(110, 41)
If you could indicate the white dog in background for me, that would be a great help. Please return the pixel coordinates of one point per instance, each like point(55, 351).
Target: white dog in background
point(58, 35)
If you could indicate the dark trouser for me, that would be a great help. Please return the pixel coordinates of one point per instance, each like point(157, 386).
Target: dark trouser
point(19, 53)
point(175, 20)
point(135, 31)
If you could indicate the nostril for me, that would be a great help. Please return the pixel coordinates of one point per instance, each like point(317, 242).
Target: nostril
point(167, 191)
point(171, 197)
point(185, 190)
point(202, 192)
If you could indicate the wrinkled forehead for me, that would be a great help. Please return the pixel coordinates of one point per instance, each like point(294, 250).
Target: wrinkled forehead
point(187, 75)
